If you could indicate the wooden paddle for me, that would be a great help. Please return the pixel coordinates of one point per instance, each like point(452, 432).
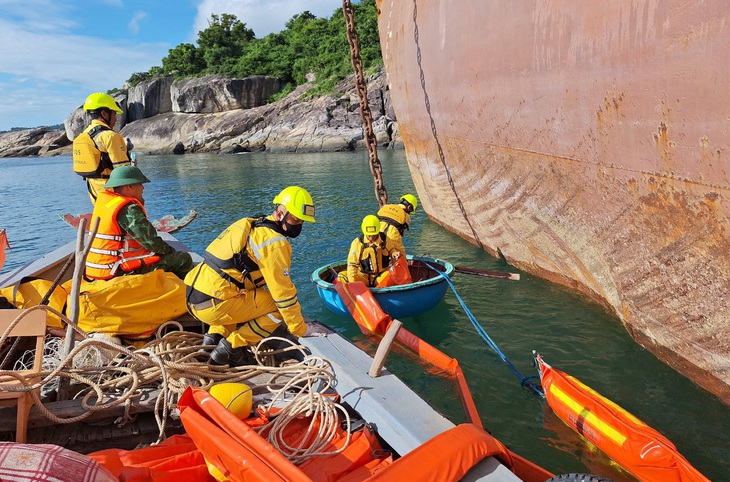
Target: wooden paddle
point(487, 273)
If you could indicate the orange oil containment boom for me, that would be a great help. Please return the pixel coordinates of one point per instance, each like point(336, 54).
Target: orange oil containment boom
point(371, 319)
point(632, 444)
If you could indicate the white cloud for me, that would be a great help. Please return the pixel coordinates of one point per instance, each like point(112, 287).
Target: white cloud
point(54, 17)
point(263, 16)
point(74, 59)
point(45, 73)
point(134, 23)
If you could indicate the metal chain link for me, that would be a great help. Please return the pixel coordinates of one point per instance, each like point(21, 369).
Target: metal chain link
point(376, 168)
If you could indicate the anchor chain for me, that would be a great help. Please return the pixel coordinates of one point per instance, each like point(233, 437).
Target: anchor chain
point(376, 168)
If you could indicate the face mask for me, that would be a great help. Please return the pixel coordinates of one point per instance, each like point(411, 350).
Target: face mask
point(292, 230)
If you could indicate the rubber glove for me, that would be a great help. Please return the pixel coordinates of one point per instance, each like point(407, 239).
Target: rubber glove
point(315, 329)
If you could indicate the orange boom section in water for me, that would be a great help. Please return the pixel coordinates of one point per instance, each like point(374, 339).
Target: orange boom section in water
point(631, 443)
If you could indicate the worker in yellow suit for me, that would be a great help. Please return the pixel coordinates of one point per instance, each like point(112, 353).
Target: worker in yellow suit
point(243, 289)
point(98, 150)
point(395, 219)
point(370, 254)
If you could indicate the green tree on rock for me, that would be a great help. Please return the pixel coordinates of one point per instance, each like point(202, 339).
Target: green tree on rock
point(307, 45)
point(185, 60)
point(223, 42)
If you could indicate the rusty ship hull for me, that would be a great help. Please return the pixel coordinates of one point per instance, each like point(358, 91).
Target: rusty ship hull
point(585, 142)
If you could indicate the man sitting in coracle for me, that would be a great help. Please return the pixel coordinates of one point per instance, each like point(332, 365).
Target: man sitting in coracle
point(370, 253)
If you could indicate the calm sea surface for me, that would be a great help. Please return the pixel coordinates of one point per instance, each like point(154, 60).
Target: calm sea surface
point(574, 335)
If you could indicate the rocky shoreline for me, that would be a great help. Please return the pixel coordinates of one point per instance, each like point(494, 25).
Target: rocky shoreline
point(220, 115)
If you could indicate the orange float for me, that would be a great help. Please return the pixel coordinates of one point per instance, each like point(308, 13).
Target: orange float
point(372, 320)
point(631, 443)
point(398, 274)
point(240, 453)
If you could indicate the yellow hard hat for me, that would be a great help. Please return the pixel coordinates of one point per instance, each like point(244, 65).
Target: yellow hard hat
point(297, 202)
point(100, 100)
point(410, 199)
point(370, 225)
point(236, 397)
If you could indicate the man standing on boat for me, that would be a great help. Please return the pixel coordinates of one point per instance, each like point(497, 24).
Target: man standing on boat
point(395, 219)
point(127, 242)
point(370, 254)
point(99, 149)
point(242, 289)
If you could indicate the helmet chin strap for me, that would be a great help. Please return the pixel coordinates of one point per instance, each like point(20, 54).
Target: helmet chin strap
point(108, 119)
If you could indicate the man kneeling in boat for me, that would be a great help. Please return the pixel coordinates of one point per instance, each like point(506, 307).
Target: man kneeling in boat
point(127, 242)
point(395, 219)
point(242, 289)
point(370, 254)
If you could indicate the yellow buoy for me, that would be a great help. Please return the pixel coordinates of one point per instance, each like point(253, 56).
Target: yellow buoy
point(236, 397)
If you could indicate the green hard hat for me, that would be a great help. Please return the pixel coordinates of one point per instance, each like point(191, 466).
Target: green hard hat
point(125, 176)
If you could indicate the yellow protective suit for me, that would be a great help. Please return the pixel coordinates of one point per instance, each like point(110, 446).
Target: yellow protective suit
point(95, 157)
point(367, 261)
point(30, 291)
point(243, 289)
point(394, 221)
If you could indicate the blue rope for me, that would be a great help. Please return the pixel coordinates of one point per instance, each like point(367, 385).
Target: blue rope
point(524, 381)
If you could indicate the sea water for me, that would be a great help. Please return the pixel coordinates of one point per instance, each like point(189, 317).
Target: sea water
point(572, 333)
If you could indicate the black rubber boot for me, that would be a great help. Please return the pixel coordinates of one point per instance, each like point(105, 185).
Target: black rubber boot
point(212, 339)
point(225, 354)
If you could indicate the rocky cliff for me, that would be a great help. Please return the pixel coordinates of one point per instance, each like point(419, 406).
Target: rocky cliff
point(218, 114)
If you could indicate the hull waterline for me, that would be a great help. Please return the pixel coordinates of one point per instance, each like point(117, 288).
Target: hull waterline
point(586, 143)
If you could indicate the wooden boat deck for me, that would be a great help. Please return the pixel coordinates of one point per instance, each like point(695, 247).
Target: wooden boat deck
point(99, 431)
point(85, 437)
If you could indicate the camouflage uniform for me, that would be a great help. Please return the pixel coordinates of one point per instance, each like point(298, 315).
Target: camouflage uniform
point(132, 220)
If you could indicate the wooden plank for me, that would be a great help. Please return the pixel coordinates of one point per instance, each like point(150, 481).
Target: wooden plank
point(73, 408)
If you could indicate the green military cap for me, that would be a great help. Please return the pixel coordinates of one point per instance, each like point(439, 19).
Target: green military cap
point(125, 176)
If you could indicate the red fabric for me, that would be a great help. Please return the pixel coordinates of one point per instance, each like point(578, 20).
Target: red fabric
point(42, 462)
point(174, 460)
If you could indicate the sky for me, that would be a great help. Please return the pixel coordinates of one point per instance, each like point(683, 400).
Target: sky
point(54, 53)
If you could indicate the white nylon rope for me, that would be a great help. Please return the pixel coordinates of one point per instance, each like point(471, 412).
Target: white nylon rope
point(170, 364)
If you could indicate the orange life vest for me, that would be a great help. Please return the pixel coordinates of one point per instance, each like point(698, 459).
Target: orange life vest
point(112, 249)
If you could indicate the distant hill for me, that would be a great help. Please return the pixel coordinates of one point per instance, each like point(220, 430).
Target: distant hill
point(54, 127)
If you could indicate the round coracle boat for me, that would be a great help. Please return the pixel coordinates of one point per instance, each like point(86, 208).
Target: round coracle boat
point(401, 301)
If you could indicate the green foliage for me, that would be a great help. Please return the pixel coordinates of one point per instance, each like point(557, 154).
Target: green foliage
point(308, 45)
point(184, 60)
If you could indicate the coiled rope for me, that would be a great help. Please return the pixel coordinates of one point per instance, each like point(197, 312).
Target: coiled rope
point(171, 364)
point(311, 401)
point(525, 381)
